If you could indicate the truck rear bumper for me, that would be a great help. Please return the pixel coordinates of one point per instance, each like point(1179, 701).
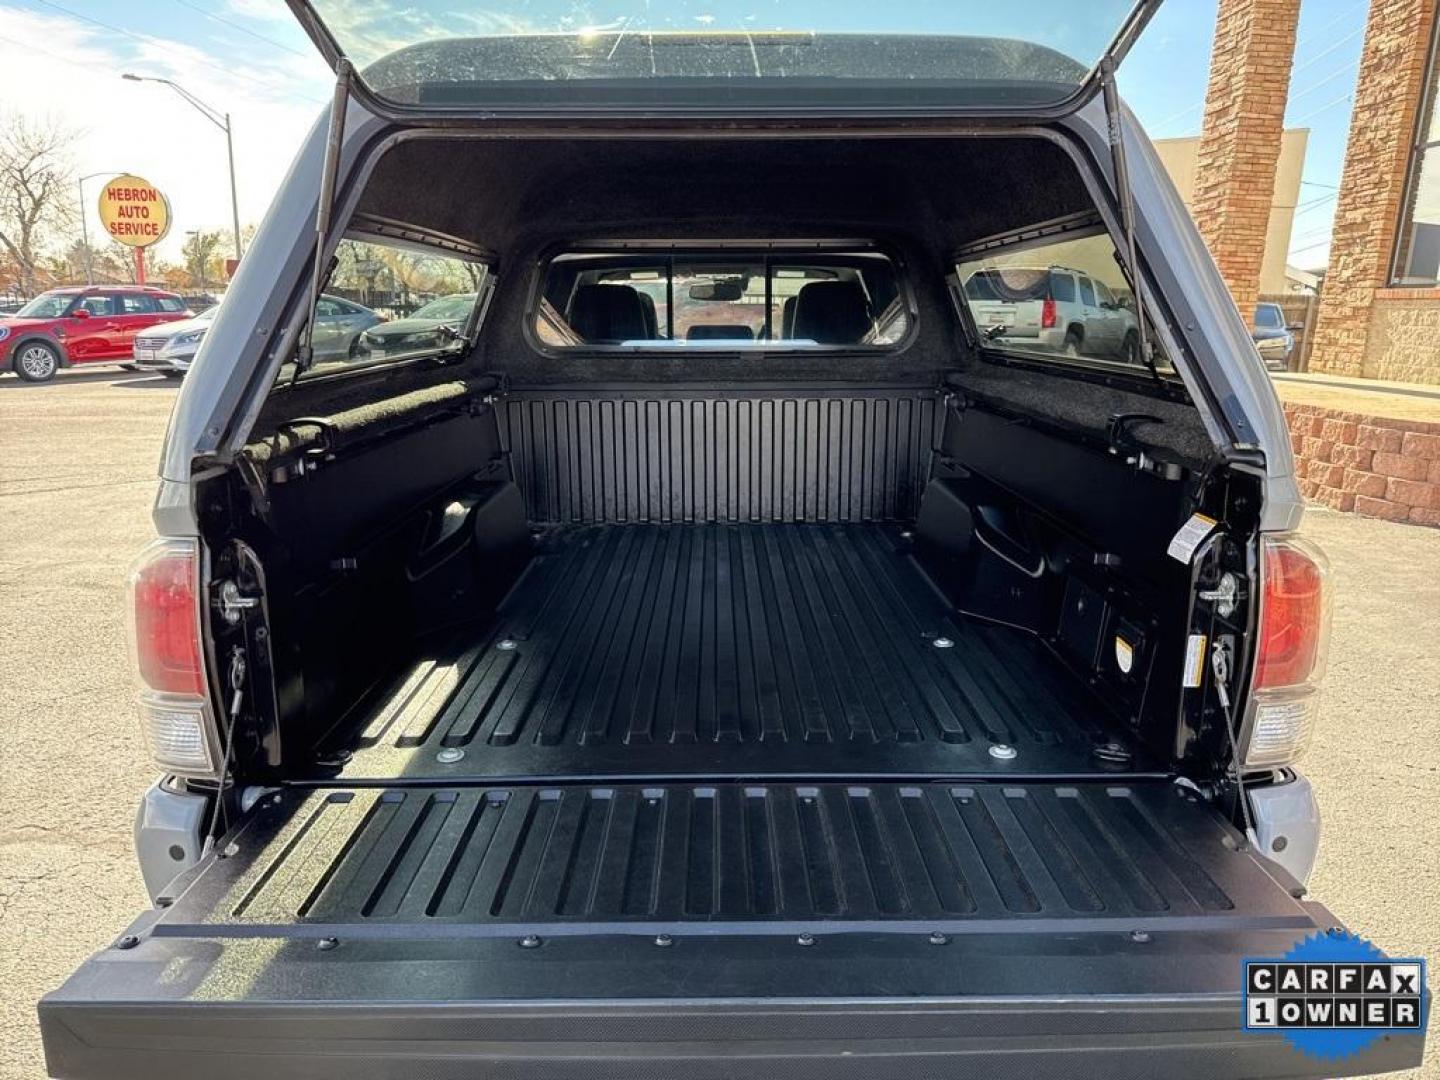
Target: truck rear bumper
point(722, 930)
point(698, 1039)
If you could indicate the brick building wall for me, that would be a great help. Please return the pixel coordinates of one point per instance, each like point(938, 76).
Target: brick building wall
point(1403, 336)
point(1373, 465)
point(1367, 215)
point(1240, 138)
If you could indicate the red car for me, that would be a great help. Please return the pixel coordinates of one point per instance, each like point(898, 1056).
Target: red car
point(84, 324)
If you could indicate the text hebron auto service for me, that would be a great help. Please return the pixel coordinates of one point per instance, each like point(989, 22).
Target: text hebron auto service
point(134, 211)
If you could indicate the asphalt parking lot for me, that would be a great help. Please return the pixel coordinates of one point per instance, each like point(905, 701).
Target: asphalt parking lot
point(77, 465)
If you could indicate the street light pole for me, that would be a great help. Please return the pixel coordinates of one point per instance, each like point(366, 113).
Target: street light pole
point(199, 260)
point(84, 230)
point(220, 120)
point(234, 199)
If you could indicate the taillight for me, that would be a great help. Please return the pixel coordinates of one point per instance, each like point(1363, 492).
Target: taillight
point(169, 656)
point(1047, 313)
point(1290, 653)
point(163, 591)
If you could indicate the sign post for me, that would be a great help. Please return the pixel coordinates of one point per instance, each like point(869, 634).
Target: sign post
point(136, 214)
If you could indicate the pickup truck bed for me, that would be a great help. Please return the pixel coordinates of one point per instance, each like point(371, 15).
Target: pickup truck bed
point(729, 651)
point(683, 770)
point(477, 860)
point(724, 930)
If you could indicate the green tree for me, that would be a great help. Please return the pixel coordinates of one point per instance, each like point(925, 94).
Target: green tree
point(203, 257)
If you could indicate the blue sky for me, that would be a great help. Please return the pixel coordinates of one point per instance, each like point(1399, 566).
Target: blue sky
point(249, 57)
point(1164, 81)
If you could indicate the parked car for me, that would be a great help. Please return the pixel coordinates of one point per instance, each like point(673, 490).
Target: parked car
point(429, 325)
point(1053, 308)
point(82, 325)
point(840, 691)
point(1274, 340)
point(171, 349)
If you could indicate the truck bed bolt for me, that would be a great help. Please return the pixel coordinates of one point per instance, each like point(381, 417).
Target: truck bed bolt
point(943, 643)
point(1141, 937)
point(1003, 752)
point(530, 941)
point(325, 944)
point(450, 755)
point(129, 941)
point(937, 938)
point(805, 939)
point(507, 645)
point(664, 940)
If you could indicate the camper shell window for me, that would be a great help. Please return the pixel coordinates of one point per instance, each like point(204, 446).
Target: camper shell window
point(722, 300)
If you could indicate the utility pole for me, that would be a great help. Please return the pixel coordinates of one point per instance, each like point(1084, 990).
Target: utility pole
point(220, 120)
point(84, 230)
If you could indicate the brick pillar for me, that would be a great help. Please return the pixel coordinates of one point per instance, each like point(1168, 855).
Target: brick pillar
point(1367, 215)
point(1240, 138)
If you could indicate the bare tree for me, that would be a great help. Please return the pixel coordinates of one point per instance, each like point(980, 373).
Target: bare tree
point(474, 273)
point(35, 185)
point(109, 265)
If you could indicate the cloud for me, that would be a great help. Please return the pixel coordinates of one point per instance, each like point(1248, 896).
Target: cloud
point(69, 70)
point(273, 11)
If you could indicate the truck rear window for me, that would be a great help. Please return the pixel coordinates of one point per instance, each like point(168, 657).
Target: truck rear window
point(722, 300)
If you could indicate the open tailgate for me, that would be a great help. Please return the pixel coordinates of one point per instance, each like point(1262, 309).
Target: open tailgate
point(765, 930)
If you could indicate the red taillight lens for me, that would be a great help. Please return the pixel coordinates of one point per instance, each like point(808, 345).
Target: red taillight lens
point(164, 605)
point(1047, 313)
point(1293, 615)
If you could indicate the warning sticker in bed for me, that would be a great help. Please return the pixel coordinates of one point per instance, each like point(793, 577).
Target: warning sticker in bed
point(1124, 655)
point(1194, 660)
point(1192, 534)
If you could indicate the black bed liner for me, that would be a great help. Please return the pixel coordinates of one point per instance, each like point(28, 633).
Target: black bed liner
point(713, 932)
point(800, 650)
point(972, 855)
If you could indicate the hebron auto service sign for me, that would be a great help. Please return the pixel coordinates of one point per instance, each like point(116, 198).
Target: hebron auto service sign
point(134, 212)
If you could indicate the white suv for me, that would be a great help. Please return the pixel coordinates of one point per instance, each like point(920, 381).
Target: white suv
point(1056, 308)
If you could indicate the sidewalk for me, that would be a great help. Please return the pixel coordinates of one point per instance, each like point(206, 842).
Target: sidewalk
point(1395, 400)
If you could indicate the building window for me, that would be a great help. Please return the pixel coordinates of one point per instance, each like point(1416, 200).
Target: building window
point(1417, 256)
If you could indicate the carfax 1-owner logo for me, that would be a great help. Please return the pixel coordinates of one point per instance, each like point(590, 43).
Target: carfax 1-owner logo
point(1334, 994)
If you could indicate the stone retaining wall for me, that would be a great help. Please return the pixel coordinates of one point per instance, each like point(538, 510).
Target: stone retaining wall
point(1371, 465)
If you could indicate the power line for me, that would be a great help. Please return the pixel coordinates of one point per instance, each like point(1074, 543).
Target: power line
point(1326, 52)
point(1183, 112)
point(31, 47)
point(1337, 19)
point(1308, 234)
point(1305, 207)
point(243, 29)
point(1311, 247)
point(271, 86)
point(1328, 79)
point(1308, 63)
point(1325, 108)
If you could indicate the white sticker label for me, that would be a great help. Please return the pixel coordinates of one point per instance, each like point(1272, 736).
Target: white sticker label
point(1124, 654)
point(1194, 660)
point(1191, 535)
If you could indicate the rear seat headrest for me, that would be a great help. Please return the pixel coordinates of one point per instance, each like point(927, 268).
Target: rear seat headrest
point(787, 317)
point(832, 313)
point(652, 319)
point(606, 314)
